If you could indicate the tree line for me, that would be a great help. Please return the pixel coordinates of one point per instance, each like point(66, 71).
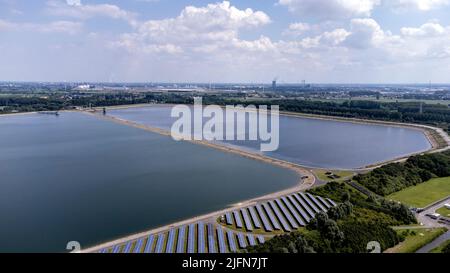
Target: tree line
point(398, 176)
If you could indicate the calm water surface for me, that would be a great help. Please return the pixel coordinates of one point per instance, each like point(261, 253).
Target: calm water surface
point(314, 142)
point(76, 177)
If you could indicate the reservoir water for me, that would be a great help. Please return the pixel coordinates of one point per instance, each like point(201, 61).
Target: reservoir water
point(314, 142)
point(79, 178)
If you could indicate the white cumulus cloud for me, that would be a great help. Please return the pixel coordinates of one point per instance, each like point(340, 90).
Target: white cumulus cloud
point(423, 5)
point(332, 9)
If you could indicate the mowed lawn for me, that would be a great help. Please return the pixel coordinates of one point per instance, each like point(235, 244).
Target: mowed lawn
point(415, 239)
point(444, 212)
point(423, 194)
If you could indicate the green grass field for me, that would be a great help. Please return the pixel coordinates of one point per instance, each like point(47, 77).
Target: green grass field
point(444, 212)
point(415, 239)
point(423, 194)
point(321, 174)
point(439, 248)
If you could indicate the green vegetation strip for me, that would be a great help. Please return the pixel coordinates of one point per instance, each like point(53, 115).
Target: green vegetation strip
point(325, 175)
point(414, 239)
point(444, 212)
point(443, 248)
point(423, 194)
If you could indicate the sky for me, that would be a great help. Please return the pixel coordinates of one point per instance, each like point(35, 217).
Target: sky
point(237, 41)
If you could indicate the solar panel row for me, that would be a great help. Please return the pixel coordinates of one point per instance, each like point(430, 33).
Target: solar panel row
point(293, 211)
point(279, 216)
point(211, 241)
point(317, 203)
point(308, 203)
point(248, 223)
point(267, 226)
point(221, 237)
point(261, 239)
point(116, 249)
point(138, 246)
point(251, 240)
point(271, 217)
point(170, 241)
point(149, 246)
point(255, 220)
point(331, 202)
point(231, 242)
point(302, 212)
point(201, 237)
point(181, 239)
point(237, 218)
point(228, 218)
point(327, 206)
point(160, 243)
point(191, 238)
point(127, 248)
point(291, 221)
point(241, 240)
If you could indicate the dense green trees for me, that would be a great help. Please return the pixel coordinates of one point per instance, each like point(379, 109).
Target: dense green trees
point(397, 176)
point(347, 228)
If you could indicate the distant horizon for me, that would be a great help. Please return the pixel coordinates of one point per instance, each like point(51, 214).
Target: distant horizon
point(225, 83)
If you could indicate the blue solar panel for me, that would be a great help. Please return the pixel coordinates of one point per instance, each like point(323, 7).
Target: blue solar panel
point(116, 249)
point(280, 216)
point(261, 239)
point(331, 202)
point(309, 202)
point(103, 251)
point(247, 222)
point(286, 213)
point(305, 206)
point(211, 241)
point(251, 240)
point(181, 239)
point(317, 203)
point(170, 241)
point(241, 240)
point(191, 239)
point(238, 220)
point(201, 238)
point(127, 248)
point(293, 211)
point(275, 224)
point(149, 246)
point(138, 246)
point(231, 241)
point(160, 243)
point(325, 203)
point(263, 217)
point(255, 220)
point(221, 237)
point(299, 209)
point(229, 218)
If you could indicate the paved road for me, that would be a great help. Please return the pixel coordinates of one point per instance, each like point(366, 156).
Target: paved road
point(440, 240)
point(427, 221)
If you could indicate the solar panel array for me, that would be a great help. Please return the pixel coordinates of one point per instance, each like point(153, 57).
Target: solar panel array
point(286, 213)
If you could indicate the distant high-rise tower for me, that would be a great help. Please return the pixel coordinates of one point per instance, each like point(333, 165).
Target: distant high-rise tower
point(274, 86)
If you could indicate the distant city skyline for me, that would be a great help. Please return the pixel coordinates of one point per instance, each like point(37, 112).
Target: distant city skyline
point(253, 41)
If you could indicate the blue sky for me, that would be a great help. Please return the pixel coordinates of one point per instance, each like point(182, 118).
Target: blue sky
point(320, 41)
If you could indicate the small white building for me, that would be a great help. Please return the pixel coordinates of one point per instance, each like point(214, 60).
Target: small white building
point(447, 206)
